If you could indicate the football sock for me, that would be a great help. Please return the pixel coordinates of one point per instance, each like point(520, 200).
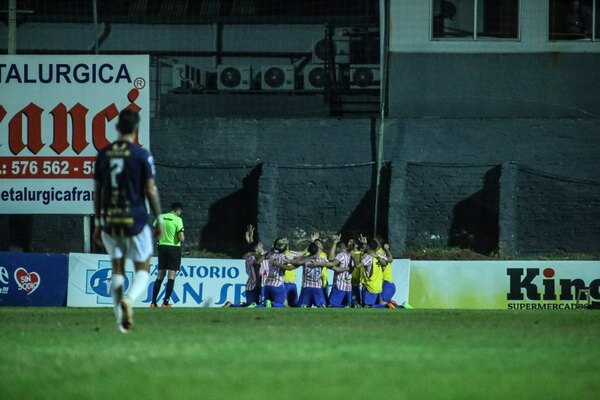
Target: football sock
point(170, 283)
point(116, 290)
point(157, 286)
point(140, 279)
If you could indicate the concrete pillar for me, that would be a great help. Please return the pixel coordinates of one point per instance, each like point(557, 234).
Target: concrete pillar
point(507, 211)
point(398, 203)
point(268, 204)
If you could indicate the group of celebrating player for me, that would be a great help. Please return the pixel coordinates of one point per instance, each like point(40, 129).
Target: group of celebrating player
point(124, 180)
point(362, 274)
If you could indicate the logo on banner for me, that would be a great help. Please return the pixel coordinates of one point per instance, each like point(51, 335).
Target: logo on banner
point(523, 287)
point(98, 282)
point(3, 280)
point(27, 281)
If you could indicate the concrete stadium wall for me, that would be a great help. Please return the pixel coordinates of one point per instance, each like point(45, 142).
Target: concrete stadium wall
point(453, 204)
point(227, 157)
point(446, 180)
point(296, 200)
point(556, 213)
point(443, 178)
point(565, 146)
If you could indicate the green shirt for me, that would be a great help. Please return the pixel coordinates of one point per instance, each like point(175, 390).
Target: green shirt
point(172, 225)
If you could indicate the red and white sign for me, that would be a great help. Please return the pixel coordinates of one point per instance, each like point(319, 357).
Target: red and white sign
point(56, 112)
point(27, 281)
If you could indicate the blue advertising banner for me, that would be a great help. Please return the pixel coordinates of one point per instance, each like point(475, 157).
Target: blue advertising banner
point(29, 279)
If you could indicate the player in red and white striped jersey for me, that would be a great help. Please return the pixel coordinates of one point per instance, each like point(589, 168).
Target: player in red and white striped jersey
point(279, 262)
point(341, 292)
point(253, 259)
point(312, 285)
point(253, 284)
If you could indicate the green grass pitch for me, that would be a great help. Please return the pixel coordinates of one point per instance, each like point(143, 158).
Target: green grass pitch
point(299, 354)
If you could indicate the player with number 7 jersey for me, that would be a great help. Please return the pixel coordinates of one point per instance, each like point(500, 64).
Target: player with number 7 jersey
point(124, 178)
point(123, 168)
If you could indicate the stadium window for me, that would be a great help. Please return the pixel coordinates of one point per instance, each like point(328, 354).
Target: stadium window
point(574, 20)
point(475, 19)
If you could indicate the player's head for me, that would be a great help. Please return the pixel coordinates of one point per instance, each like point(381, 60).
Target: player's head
point(129, 122)
point(341, 246)
point(318, 243)
point(257, 247)
point(313, 248)
point(351, 244)
point(359, 244)
point(371, 245)
point(177, 208)
point(379, 241)
point(280, 245)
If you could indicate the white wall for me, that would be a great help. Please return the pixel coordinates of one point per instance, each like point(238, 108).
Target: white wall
point(410, 22)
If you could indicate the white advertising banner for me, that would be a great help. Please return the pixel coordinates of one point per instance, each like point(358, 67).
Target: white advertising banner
point(517, 285)
point(401, 273)
point(200, 282)
point(56, 112)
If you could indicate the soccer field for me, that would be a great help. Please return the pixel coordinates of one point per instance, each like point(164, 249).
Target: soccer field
point(299, 353)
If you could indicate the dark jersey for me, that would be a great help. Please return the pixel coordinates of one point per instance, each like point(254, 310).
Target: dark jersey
point(122, 169)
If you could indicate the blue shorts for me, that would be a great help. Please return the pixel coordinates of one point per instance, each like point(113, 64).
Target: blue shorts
point(340, 298)
point(291, 294)
point(253, 296)
point(389, 290)
point(312, 297)
point(370, 299)
point(276, 294)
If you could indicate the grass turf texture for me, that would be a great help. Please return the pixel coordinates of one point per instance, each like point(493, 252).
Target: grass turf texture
point(299, 354)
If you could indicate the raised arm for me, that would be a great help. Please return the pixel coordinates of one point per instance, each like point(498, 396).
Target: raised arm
point(249, 235)
point(388, 254)
point(336, 240)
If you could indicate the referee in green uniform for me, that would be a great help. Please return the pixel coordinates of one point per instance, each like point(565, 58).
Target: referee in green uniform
point(169, 252)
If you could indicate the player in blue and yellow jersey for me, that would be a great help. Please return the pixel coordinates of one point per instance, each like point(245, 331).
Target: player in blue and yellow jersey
point(372, 263)
point(123, 180)
point(389, 288)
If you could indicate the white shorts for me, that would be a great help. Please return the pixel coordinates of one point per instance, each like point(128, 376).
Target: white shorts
point(137, 248)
